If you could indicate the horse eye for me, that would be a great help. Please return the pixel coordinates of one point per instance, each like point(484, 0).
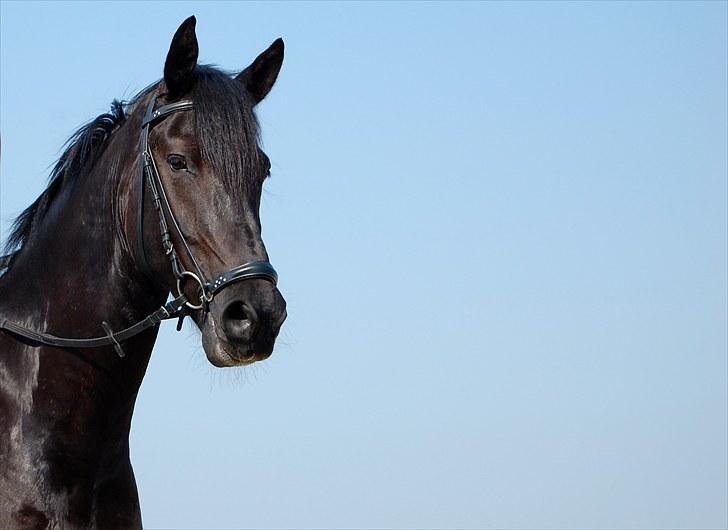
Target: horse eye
point(177, 162)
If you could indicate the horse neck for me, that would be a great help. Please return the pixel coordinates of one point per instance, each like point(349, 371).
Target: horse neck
point(76, 271)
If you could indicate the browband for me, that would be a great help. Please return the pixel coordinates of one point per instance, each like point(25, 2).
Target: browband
point(163, 111)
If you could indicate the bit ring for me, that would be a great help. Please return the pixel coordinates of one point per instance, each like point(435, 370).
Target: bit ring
point(203, 296)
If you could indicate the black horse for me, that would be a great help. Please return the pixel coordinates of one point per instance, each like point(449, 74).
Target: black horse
point(160, 195)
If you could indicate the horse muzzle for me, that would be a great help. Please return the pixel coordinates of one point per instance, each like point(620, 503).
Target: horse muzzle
point(242, 323)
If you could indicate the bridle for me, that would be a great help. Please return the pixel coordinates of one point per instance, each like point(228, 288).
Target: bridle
point(149, 174)
point(180, 306)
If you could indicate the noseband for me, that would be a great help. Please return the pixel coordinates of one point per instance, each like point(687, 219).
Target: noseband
point(180, 305)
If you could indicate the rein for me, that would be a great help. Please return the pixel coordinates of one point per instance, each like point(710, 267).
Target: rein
point(180, 305)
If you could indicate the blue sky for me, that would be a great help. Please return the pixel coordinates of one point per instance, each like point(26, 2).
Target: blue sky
point(501, 231)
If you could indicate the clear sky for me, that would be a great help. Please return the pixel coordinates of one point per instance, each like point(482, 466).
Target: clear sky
point(501, 231)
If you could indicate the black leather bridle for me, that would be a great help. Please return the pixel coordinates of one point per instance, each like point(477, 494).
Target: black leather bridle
point(149, 173)
point(180, 305)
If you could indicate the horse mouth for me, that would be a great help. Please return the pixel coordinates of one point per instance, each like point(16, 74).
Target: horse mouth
point(236, 357)
point(223, 353)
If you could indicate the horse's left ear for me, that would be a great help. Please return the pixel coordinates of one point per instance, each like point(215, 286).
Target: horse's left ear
point(259, 77)
point(181, 59)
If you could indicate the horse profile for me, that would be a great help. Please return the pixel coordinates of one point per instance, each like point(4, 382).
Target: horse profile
point(159, 196)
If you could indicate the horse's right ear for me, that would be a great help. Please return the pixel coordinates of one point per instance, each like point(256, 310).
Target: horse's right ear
point(181, 59)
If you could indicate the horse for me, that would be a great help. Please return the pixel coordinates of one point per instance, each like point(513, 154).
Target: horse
point(158, 198)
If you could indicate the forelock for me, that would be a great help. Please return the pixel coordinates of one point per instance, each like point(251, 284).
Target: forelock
point(226, 128)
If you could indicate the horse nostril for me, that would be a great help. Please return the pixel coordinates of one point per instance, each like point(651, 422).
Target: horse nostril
point(239, 321)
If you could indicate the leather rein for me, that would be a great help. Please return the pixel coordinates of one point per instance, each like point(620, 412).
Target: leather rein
point(178, 307)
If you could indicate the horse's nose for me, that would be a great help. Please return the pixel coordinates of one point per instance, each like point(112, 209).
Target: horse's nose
point(239, 321)
point(281, 319)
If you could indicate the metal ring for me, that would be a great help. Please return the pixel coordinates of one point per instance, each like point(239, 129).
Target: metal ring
point(203, 295)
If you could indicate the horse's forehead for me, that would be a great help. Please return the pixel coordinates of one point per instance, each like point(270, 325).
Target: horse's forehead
point(181, 124)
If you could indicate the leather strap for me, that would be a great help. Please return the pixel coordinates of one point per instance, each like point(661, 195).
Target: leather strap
point(252, 270)
point(163, 111)
point(169, 310)
point(147, 174)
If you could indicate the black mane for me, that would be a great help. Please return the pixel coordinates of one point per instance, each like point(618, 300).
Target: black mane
point(225, 125)
point(81, 149)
